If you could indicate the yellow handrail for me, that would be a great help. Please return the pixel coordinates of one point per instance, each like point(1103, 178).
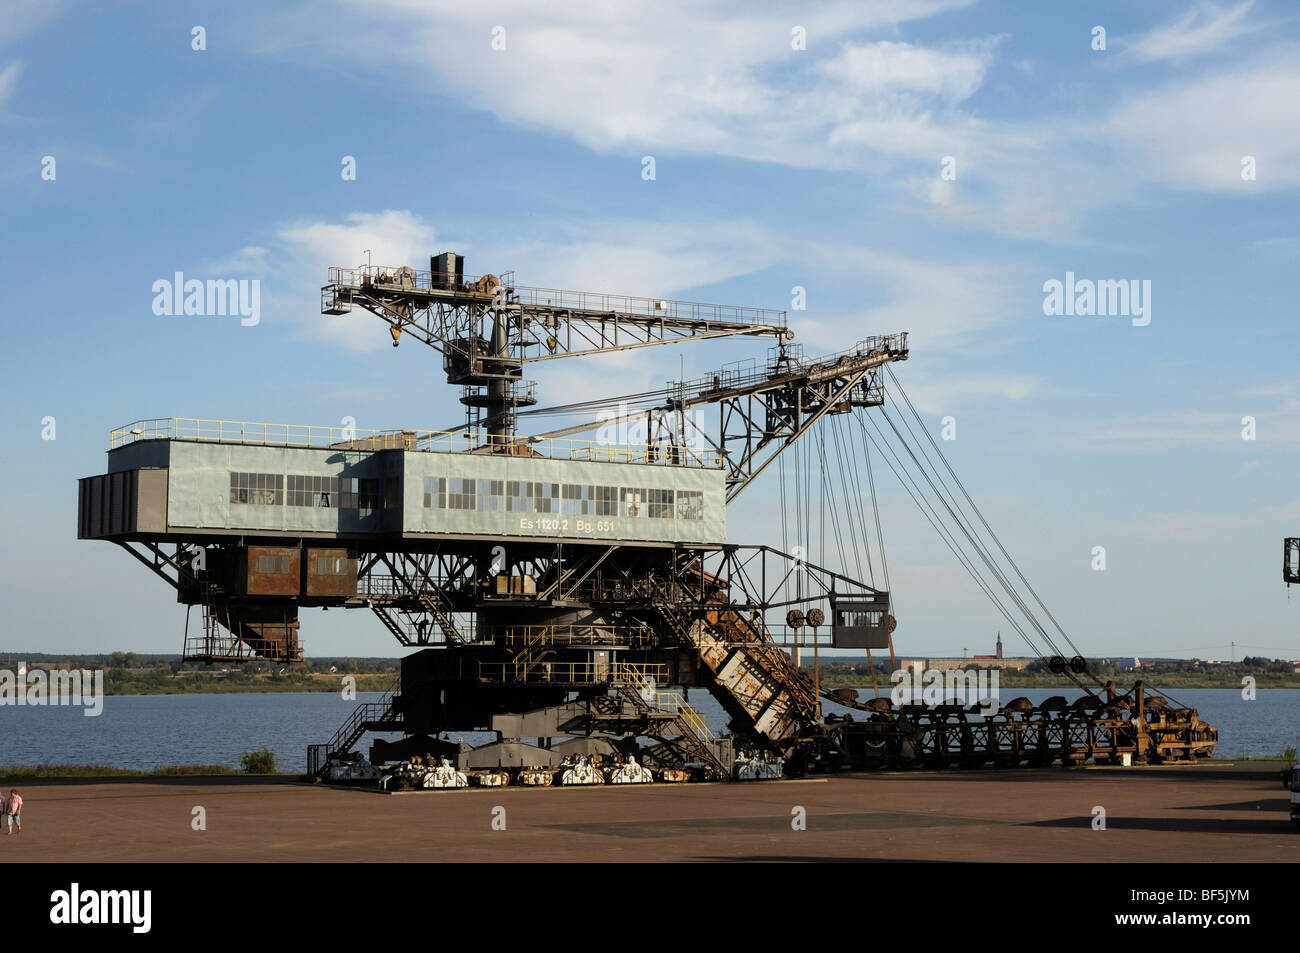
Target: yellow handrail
point(431, 441)
point(673, 702)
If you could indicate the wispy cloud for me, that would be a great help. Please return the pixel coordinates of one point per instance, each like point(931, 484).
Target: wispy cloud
point(1205, 28)
point(9, 80)
point(633, 257)
point(22, 18)
point(251, 260)
point(1275, 427)
point(1194, 135)
point(945, 304)
point(709, 82)
point(308, 249)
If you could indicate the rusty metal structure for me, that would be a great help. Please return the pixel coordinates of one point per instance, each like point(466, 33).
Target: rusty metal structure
point(564, 594)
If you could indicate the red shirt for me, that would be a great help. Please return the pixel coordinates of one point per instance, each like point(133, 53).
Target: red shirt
point(16, 804)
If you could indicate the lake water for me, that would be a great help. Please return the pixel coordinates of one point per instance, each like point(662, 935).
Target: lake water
point(144, 731)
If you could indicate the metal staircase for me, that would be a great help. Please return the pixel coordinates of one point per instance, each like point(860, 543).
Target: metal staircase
point(758, 682)
point(381, 715)
point(693, 734)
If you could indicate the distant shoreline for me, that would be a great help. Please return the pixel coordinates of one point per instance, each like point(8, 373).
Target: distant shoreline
point(1008, 683)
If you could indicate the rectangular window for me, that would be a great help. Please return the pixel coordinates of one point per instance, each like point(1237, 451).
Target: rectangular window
point(690, 505)
point(265, 489)
point(631, 500)
point(318, 491)
point(660, 504)
point(546, 497)
point(331, 565)
point(273, 564)
point(606, 500)
point(461, 494)
point(859, 619)
point(518, 496)
point(435, 488)
point(360, 493)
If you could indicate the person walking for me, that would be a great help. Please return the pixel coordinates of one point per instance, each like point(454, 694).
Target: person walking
point(14, 813)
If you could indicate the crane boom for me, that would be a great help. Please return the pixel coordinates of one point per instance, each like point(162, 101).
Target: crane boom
point(488, 328)
point(764, 410)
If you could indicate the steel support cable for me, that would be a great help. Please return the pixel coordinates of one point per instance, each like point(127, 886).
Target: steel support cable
point(933, 518)
point(949, 501)
point(961, 486)
point(986, 557)
point(785, 535)
point(950, 541)
point(880, 541)
point(859, 518)
point(853, 504)
point(800, 542)
point(976, 544)
point(849, 528)
point(805, 503)
point(856, 495)
point(1005, 583)
point(848, 503)
point(815, 485)
point(875, 505)
point(827, 476)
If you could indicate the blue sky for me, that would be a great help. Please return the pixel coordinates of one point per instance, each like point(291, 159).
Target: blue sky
point(775, 167)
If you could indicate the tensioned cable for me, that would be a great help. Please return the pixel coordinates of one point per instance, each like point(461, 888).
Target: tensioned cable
point(956, 479)
point(932, 518)
point(978, 547)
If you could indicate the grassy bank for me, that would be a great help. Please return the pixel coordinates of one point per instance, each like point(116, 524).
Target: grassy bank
point(45, 772)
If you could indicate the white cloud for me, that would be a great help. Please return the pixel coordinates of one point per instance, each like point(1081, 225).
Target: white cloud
point(1206, 27)
point(9, 80)
point(952, 393)
point(720, 78)
point(717, 77)
point(1194, 135)
point(310, 249)
point(888, 69)
point(21, 18)
point(1276, 428)
point(944, 304)
point(244, 261)
point(647, 259)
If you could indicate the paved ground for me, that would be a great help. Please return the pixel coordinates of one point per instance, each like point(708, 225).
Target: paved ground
point(1170, 814)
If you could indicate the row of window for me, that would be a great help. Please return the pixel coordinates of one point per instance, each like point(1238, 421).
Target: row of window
point(344, 493)
point(273, 564)
point(521, 496)
point(503, 496)
point(321, 565)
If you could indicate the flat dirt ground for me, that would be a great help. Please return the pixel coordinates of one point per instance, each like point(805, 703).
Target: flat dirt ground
point(1202, 813)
